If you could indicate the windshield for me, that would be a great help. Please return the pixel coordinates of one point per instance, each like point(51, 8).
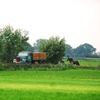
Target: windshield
point(23, 57)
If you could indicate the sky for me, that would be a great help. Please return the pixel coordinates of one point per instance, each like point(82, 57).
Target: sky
point(78, 21)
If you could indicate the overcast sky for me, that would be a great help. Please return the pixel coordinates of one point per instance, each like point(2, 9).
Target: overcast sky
point(78, 21)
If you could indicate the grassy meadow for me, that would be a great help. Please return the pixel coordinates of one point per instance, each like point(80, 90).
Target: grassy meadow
point(93, 62)
point(71, 84)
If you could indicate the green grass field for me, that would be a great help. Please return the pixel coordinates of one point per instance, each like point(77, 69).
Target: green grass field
point(72, 84)
point(88, 62)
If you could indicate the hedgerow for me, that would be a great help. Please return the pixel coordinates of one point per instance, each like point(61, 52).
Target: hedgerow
point(43, 67)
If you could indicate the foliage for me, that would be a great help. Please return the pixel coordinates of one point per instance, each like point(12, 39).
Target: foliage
point(28, 48)
point(54, 47)
point(37, 44)
point(92, 55)
point(69, 51)
point(11, 42)
point(84, 49)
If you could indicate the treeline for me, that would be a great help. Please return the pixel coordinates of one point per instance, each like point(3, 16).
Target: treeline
point(13, 41)
point(83, 50)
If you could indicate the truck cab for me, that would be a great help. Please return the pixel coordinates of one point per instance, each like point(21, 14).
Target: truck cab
point(24, 57)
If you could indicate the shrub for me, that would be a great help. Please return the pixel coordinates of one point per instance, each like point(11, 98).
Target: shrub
point(43, 67)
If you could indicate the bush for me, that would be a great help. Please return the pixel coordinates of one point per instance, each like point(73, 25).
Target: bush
point(43, 67)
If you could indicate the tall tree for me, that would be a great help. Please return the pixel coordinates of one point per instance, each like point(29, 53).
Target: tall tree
point(29, 48)
point(84, 49)
point(37, 44)
point(12, 41)
point(69, 51)
point(54, 47)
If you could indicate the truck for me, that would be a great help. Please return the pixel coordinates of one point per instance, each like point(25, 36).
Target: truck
point(30, 57)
